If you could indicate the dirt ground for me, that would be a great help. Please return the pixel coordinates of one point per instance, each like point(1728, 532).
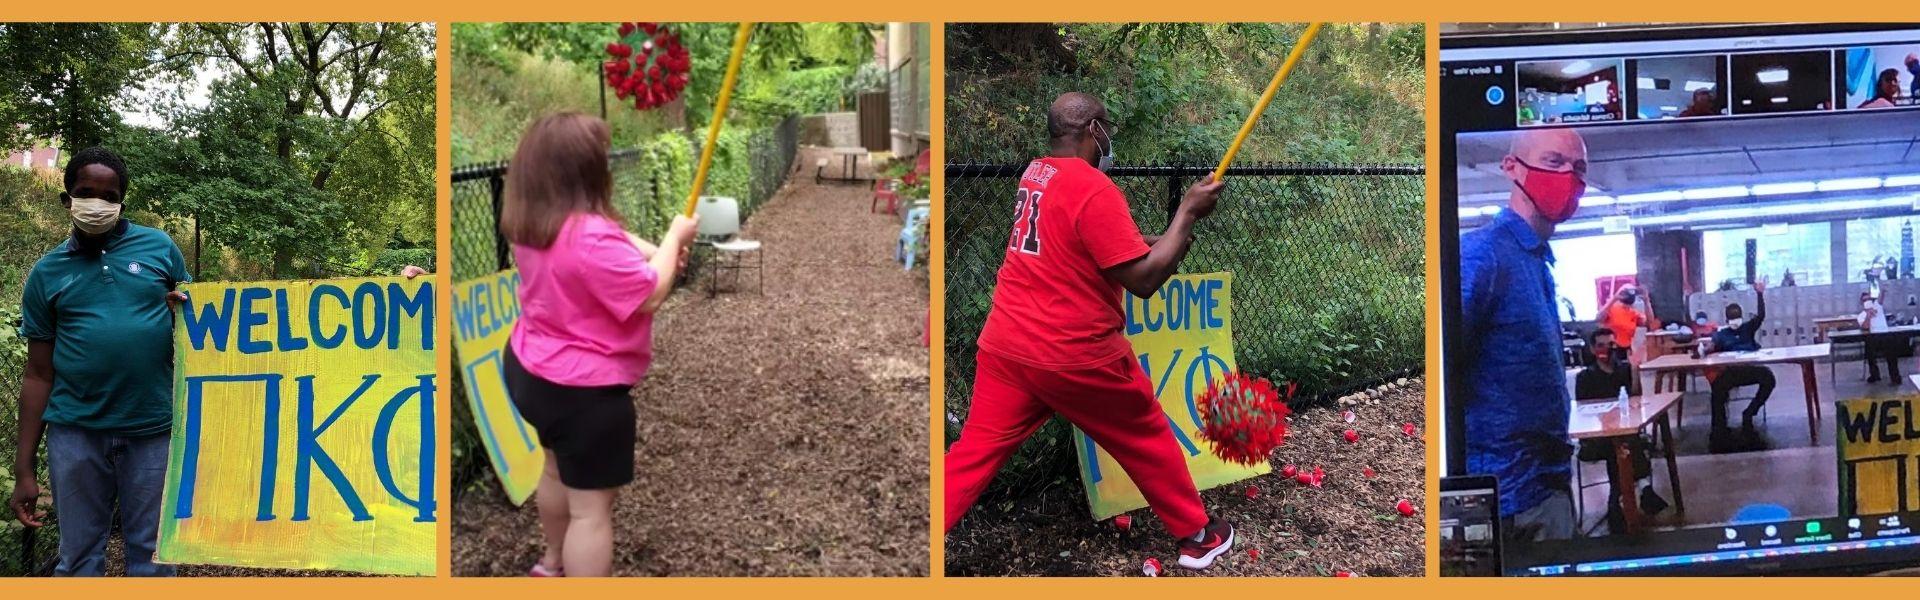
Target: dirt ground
point(779, 435)
point(1349, 524)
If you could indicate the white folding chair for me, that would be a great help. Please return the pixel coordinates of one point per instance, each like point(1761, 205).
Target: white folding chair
point(720, 230)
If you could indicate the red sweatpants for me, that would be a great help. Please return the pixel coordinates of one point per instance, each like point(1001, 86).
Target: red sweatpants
point(1113, 404)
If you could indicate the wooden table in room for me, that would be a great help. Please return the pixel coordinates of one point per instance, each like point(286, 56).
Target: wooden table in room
point(1662, 342)
point(1861, 336)
point(1825, 324)
point(1621, 423)
point(1805, 356)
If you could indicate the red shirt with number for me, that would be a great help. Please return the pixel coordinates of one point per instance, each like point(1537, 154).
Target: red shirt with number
point(1052, 307)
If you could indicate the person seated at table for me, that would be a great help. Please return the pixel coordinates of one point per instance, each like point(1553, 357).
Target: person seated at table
point(1702, 327)
point(1738, 336)
point(1603, 381)
point(1873, 319)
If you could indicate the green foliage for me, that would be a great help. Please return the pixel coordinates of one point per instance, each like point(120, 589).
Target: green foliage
point(507, 74)
point(63, 79)
point(390, 262)
point(35, 225)
point(777, 48)
point(797, 92)
point(497, 103)
point(308, 157)
point(1182, 90)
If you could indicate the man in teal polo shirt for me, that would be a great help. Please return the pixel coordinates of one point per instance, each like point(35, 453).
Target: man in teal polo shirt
point(96, 313)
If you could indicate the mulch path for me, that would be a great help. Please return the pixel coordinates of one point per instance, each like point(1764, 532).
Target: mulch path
point(783, 435)
point(1349, 524)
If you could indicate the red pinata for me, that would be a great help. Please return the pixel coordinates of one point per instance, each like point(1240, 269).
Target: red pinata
point(1244, 417)
point(652, 73)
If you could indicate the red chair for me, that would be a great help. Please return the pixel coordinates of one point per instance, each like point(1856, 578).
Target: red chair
point(883, 190)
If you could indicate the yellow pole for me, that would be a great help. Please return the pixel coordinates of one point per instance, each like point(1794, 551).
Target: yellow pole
point(1293, 57)
point(719, 114)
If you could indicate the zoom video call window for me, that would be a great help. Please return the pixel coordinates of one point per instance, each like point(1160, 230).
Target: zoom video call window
point(1680, 303)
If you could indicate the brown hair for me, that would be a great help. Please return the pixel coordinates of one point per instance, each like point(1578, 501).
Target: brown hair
point(559, 169)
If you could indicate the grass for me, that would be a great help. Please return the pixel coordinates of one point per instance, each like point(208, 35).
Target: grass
point(496, 104)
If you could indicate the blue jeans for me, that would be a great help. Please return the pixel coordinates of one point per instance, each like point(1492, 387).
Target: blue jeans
point(91, 473)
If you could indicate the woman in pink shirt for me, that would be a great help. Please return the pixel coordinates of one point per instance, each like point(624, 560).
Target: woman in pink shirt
point(588, 291)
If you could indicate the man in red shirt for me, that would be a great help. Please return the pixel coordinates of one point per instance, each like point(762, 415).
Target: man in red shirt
point(1053, 341)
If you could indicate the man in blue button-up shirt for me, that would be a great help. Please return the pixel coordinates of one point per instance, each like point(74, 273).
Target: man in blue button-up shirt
point(1513, 388)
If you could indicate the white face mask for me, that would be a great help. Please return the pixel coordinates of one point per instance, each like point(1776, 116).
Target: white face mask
point(93, 215)
point(1735, 323)
point(1106, 160)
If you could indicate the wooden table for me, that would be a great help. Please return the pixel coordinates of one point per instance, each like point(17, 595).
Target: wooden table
point(1661, 342)
point(1805, 356)
point(1822, 325)
point(1861, 335)
point(849, 158)
point(1621, 423)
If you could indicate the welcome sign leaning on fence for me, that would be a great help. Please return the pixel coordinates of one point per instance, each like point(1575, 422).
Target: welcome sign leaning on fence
point(303, 431)
point(1183, 338)
point(484, 312)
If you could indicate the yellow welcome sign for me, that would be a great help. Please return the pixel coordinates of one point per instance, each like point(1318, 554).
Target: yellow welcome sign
point(484, 311)
point(303, 427)
point(1878, 449)
point(1183, 338)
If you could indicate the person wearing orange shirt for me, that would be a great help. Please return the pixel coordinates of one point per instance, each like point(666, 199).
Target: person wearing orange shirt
point(1625, 315)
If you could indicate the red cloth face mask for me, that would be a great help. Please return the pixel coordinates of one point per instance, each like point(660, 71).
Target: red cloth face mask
point(1556, 194)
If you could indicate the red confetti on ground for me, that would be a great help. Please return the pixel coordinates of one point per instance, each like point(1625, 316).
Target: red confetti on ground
point(1124, 522)
point(1367, 472)
point(1253, 553)
point(1151, 568)
point(1343, 574)
point(1353, 437)
point(1253, 492)
point(1409, 429)
point(1304, 478)
point(1405, 508)
point(1288, 471)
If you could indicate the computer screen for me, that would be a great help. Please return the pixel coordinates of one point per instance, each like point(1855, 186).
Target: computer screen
point(1678, 297)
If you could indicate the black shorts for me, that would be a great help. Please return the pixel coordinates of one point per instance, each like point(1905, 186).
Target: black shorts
point(590, 430)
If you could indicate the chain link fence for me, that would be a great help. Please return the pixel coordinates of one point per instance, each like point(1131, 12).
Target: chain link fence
point(1328, 266)
point(649, 187)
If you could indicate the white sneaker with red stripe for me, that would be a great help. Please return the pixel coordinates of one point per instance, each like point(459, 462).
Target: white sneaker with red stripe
point(1215, 540)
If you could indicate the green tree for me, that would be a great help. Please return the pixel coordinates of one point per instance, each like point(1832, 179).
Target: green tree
point(61, 80)
point(315, 147)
